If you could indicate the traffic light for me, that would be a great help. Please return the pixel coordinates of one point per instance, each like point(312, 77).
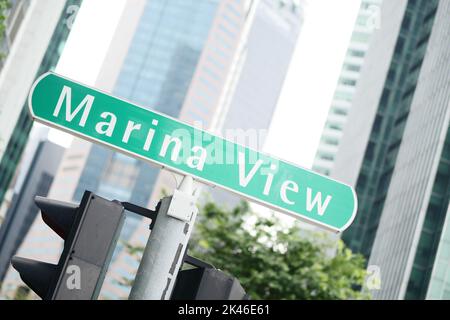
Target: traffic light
point(204, 282)
point(90, 231)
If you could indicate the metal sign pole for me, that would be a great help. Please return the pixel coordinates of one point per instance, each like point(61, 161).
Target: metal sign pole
point(166, 245)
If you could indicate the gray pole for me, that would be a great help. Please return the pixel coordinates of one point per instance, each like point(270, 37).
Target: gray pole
point(166, 245)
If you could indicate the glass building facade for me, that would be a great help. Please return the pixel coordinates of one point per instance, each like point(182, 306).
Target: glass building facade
point(433, 250)
point(23, 210)
point(439, 287)
point(395, 152)
point(389, 124)
point(19, 137)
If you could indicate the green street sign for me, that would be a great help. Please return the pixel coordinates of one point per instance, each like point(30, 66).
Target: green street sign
point(166, 142)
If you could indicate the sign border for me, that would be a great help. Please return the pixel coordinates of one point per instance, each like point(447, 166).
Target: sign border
point(179, 171)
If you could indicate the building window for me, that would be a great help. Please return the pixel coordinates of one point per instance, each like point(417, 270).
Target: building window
point(352, 67)
point(346, 96)
point(347, 82)
point(340, 112)
point(332, 142)
point(335, 126)
point(327, 157)
point(356, 53)
point(360, 37)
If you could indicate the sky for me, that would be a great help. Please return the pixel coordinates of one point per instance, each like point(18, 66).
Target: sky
point(305, 97)
point(87, 46)
point(311, 80)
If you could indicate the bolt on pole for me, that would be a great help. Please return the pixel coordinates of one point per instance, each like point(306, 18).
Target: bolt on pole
point(166, 245)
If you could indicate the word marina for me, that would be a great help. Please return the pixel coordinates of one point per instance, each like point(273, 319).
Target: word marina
point(106, 125)
point(184, 149)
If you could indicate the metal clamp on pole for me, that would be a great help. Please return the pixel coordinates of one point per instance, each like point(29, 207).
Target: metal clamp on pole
point(151, 214)
point(182, 206)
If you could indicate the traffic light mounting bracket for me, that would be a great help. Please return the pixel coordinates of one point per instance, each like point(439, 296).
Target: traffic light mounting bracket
point(151, 214)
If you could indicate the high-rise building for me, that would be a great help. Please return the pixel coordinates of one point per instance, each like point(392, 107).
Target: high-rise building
point(23, 210)
point(366, 24)
point(37, 134)
point(36, 31)
point(396, 151)
point(261, 66)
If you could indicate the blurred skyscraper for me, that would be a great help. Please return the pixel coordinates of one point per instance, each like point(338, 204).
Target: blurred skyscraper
point(396, 152)
point(37, 134)
point(367, 22)
point(261, 67)
point(23, 210)
point(36, 31)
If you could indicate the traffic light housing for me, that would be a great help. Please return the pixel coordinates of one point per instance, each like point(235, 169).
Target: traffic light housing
point(90, 231)
point(204, 282)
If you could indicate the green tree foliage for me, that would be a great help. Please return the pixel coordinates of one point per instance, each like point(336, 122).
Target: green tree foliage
point(4, 6)
point(272, 261)
point(275, 262)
